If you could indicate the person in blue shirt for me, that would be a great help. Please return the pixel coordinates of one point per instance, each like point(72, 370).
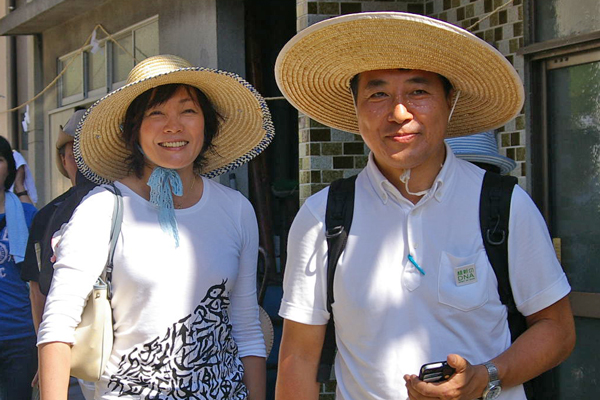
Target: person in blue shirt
point(18, 353)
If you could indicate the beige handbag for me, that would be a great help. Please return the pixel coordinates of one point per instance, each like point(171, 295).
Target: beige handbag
point(94, 334)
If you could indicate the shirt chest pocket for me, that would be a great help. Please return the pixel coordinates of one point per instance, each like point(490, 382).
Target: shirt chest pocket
point(463, 282)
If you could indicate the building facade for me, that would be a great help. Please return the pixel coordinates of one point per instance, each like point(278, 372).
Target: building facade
point(553, 44)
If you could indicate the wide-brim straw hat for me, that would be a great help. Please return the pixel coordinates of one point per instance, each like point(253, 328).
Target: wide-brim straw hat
point(481, 148)
point(66, 135)
point(314, 69)
point(247, 129)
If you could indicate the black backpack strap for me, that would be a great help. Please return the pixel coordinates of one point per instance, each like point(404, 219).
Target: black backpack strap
point(338, 220)
point(494, 216)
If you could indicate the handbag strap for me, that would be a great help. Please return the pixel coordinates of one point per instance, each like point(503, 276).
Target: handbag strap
point(115, 230)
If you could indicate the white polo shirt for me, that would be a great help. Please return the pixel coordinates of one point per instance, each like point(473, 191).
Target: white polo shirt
point(390, 319)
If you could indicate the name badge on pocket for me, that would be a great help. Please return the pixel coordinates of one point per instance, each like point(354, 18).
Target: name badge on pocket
point(465, 275)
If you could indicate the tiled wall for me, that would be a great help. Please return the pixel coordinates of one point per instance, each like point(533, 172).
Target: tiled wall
point(504, 31)
point(328, 154)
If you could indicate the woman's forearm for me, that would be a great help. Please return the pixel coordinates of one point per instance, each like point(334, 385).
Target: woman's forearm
point(54, 369)
point(255, 376)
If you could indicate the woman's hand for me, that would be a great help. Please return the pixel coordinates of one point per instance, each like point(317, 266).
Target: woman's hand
point(20, 185)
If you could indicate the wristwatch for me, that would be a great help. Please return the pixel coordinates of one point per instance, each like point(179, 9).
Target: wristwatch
point(493, 389)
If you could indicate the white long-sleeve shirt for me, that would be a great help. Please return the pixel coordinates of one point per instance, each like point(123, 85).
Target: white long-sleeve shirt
point(183, 316)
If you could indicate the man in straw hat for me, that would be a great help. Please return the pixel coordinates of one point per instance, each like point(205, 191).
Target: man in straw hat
point(405, 82)
point(37, 267)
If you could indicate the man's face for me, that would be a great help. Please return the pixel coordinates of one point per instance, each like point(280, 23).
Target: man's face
point(68, 160)
point(402, 117)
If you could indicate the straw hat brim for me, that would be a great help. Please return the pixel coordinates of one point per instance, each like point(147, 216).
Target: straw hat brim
point(247, 129)
point(314, 69)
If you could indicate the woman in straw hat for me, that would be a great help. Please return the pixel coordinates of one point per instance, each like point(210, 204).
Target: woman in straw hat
point(184, 282)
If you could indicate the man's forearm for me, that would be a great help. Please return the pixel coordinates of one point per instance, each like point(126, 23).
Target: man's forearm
point(547, 342)
point(296, 379)
point(38, 301)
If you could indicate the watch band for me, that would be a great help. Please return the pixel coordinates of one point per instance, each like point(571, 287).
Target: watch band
point(492, 371)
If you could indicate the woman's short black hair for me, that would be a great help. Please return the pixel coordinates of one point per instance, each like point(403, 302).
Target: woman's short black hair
point(6, 152)
point(159, 95)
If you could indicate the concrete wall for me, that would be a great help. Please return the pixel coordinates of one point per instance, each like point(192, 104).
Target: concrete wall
point(207, 33)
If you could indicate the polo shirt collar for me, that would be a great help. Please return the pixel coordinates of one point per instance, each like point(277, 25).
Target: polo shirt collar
point(385, 189)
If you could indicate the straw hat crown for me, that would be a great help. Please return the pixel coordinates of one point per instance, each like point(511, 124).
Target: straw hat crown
point(101, 153)
point(314, 69)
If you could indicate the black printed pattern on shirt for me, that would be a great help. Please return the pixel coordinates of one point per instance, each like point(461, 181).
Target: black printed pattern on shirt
point(196, 359)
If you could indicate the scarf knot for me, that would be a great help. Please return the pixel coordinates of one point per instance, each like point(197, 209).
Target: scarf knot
point(163, 184)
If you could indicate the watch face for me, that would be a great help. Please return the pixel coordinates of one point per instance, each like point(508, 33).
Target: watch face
point(493, 393)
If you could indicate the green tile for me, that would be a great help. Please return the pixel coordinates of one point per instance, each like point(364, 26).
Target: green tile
point(518, 29)
point(312, 7)
point(332, 149)
point(447, 5)
point(343, 162)
point(498, 34)
point(443, 16)
point(520, 12)
point(521, 154)
point(360, 161)
point(455, 3)
point(517, 2)
point(320, 135)
point(460, 13)
point(304, 191)
point(305, 176)
point(317, 187)
point(511, 59)
point(315, 124)
point(350, 8)
point(498, 3)
point(513, 45)
point(520, 122)
point(329, 8)
point(470, 11)
point(494, 20)
point(489, 36)
point(415, 8)
point(304, 136)
point(315, 176)
point(354, 148)
point(515, 139)
point(503, 16)
point(332, 175)
point(501, 129)
point(505, 139)
point(523, 169)
point(314, 149)
point(429, 8)
point(510, 153)
point(488, 6)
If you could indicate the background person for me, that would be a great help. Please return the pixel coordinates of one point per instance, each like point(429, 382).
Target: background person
point(481, 149)
point(37, 268)
point(18, 355)
point(405, 82)
point(184, 283)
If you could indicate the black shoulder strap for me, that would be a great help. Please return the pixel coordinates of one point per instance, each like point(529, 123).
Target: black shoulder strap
point(338, 220)
point(494, 215)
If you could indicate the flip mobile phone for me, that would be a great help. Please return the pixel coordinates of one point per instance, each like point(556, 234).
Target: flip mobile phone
point(436, 372)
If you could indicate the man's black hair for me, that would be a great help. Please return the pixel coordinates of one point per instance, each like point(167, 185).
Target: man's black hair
point(354, 84)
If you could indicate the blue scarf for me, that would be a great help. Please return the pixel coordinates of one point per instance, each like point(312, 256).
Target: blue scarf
point(163, 184)
point(16, 226)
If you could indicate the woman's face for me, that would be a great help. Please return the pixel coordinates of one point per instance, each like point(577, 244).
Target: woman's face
point(172, 133)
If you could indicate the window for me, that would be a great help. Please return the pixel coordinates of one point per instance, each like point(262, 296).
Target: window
point(92, 75)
